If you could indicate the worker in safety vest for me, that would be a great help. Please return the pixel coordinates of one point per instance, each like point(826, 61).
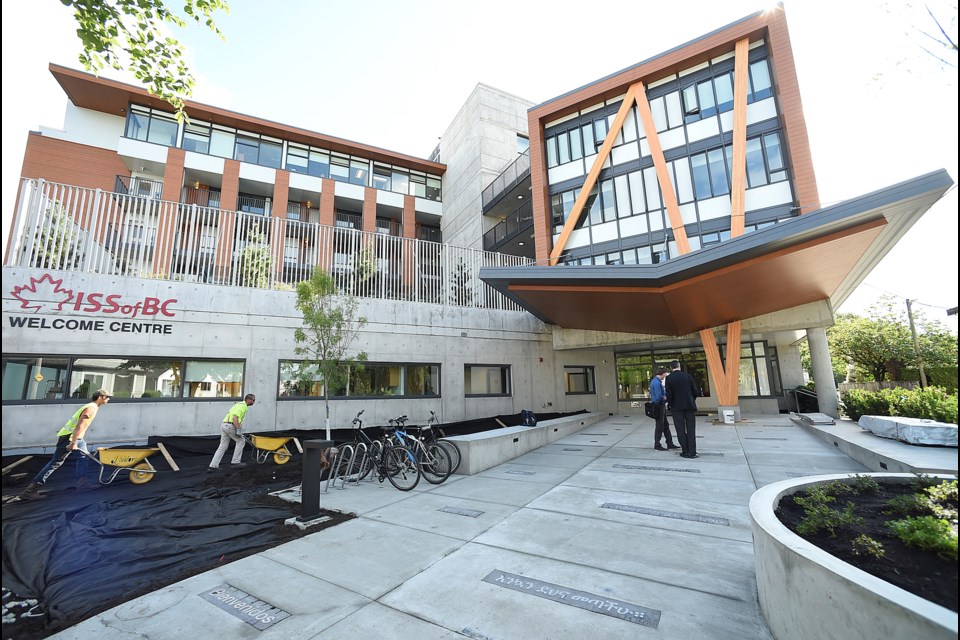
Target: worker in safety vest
point(69, 439)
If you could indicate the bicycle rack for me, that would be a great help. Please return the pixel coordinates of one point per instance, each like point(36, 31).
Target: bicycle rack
point(332, 476)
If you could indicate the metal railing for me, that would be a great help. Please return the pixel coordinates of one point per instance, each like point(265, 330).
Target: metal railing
point(84, 230)
point(253, 204)
point(203, 196)
point(138, 187)
point(517, 222)
point(508, 179)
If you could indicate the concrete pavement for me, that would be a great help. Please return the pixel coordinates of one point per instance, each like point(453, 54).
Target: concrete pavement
point(594, 536)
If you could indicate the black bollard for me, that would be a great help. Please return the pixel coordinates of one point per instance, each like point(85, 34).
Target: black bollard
point(312, 470)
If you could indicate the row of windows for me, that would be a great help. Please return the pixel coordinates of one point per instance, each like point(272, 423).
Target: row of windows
point(759, 371)
point(689, 104)
point(697, 177)
point(60, 378)
point(660, 251)
point(158, 127)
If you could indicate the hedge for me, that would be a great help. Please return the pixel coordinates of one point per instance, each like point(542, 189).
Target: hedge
point(932, 403)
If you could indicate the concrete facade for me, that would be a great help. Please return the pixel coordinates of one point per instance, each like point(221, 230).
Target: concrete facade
point(211, 322)
point(478, 144)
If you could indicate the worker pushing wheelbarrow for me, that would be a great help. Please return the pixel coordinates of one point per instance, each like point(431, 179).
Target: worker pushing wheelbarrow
point(134, 461)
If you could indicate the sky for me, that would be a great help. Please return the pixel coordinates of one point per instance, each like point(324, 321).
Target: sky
point(879, 108)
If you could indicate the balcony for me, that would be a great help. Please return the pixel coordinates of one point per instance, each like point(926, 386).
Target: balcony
point(258, 205)
point(139, 187)
point(387, 227)
point(514, 180)
point(512, 235)
point(201, 196)
point(428, 233)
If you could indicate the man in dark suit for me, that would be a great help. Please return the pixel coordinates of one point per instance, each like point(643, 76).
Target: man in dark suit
point(682, 391)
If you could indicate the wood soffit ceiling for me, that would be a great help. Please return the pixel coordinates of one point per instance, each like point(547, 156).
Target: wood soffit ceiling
point(109, 96)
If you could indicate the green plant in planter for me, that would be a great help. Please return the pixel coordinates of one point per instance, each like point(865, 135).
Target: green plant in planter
point(927, 532)
point(864, 545)
point(819, 516)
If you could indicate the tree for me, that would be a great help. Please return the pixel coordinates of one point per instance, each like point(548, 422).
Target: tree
point(254, 267)
point(330, 327)
point(57, 243)
point(129, 33)
point(881, 346)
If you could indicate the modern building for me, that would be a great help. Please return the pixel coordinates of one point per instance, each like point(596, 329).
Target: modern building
point(545, 257)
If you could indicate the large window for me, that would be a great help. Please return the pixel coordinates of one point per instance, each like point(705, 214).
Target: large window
point(150, 125)
point(37, 378)
point(579, 380)
point(486, 380)
point(373, 380)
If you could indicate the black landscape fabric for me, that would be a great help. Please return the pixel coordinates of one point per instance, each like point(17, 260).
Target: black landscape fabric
point(81, 552)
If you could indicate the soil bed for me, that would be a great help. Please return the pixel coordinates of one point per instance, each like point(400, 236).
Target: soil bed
point(922, 573)
point(135, 539)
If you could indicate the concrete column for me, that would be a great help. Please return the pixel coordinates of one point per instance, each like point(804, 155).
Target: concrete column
point(823, 372)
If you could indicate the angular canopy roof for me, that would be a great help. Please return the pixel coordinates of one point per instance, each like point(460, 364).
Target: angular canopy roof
point(820, 255)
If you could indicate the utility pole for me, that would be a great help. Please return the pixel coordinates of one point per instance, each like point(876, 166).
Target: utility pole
point(916, 345)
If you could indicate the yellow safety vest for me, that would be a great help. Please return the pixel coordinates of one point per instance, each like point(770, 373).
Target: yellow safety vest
point(71, 424)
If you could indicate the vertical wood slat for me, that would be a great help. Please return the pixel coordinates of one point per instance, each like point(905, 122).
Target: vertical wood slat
point(738, 171)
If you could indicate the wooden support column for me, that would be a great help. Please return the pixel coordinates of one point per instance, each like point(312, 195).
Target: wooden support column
point(738, 170)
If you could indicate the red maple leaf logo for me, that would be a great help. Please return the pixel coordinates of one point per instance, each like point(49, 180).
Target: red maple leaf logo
point(45, 294)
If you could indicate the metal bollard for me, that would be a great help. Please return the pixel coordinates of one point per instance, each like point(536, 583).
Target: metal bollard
point(312, 470)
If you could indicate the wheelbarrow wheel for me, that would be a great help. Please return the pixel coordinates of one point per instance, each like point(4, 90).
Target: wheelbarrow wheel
point(140, 477)
point(282, 456)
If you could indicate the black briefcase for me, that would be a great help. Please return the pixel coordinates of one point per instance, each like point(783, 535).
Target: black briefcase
point(649, 409)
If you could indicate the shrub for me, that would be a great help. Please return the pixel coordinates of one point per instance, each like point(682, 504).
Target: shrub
point(864, 545)
point(928, 533)
point(932, 403)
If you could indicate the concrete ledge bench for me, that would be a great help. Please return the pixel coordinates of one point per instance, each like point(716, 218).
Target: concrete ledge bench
point(480, 451)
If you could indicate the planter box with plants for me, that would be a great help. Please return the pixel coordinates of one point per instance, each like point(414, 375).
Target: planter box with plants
point(831, 551)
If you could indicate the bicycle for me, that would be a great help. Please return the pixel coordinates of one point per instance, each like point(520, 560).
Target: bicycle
point(391, 460)
point(433, 459)
point(433, 426)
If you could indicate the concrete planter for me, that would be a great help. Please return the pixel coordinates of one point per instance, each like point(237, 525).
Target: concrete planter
point(807, 593)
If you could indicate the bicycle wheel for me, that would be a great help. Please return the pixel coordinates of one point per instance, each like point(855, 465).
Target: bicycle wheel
point(434, 463)
point(454, 451)
point(366, 462)
point(401, 468)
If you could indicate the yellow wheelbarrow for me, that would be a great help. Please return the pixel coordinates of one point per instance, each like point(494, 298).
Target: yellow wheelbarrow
point(263, 446)
point(113, 461)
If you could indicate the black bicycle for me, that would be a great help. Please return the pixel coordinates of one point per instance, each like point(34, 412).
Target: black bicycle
point(390, 460)
point(434, 461)
point(433, 433)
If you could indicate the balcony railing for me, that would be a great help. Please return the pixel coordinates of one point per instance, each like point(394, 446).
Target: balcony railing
point(428, 233)
point(253, 204)
point(517, 222)
point(389, 227)
point(202, 196)
point(92, 231)
point(141, 187)
point(513, 174)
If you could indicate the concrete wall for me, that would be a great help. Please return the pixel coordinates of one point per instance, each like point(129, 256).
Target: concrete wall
point(476, 147)
point(257, 326)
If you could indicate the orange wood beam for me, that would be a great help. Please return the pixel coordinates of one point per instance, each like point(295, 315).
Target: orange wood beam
point(663, 176)
point(594, 172)
point(732, 366)
point(738, 178)
point(714, 363)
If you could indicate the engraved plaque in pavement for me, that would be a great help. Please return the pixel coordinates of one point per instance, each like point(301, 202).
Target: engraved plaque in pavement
point(573, 449)
point(796, 474)
point(575, 598)
point(637, 466)
point(462, 512)
point(692, 517)
point(756, 438)
point(593, 434)
point(522, 473)
point(708, 453)
point(248, 608)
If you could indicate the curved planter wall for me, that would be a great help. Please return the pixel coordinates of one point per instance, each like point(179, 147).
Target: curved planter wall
point(807, 593)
